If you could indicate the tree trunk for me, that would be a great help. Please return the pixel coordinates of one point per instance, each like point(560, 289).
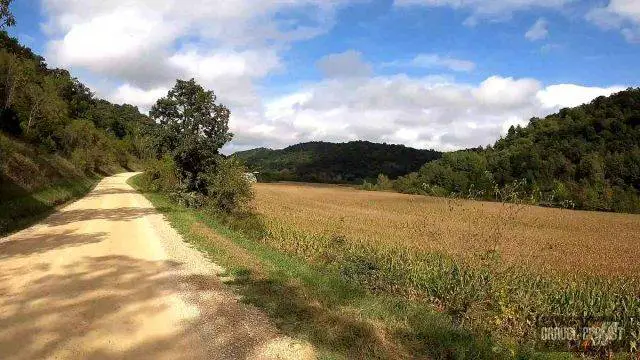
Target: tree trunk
point(10, 83)
point(32, 113)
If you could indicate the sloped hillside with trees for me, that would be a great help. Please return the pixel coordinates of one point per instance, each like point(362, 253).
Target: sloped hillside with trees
point(326, 162)
point(587, 157)
point(56, 137)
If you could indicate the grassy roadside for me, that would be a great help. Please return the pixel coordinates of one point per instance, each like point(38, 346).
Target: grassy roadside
point(23, 209)
point(317, 304)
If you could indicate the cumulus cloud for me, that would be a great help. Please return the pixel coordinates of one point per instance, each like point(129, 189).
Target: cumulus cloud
point(623, 15)
point(435, 61)
point(143, 99)
point(143, 46)
point(230, 73)
point(488, 9)
point(136, 42)
point(538, 31)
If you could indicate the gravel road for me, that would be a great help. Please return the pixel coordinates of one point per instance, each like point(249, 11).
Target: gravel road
point(108, 278)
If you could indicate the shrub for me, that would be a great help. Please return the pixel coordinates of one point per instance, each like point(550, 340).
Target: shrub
point(384, 183)
point(367, 186)
point(227, 186)
point(409, 184)
point(121, 152)
point(161, 175)
point(82, 160)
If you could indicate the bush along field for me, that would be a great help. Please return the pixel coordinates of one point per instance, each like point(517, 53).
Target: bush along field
point(359, 297)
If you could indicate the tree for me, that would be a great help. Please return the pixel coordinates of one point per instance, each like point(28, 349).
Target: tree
point(12, 75)
point(193, 128)
point(77, 95)
point(46, 110)
point(6, 17)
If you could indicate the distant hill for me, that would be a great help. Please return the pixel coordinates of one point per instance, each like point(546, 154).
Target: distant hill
point(351, 162)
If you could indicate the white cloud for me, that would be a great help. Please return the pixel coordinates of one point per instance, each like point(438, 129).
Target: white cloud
point(507, 93)
point(619, 14)
point(435, 61)
point(136, 49)
point(569, 95)
point(138, 97)
point(231, 74)
point(135, 41)
point(538, 31)
point(488, 9)
point(220, 64)
point(344, 65)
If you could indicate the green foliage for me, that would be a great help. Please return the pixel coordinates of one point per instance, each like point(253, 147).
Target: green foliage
point(228, 188)
point(351, 162)
point(6, 17)
point(383, 183)
point(160, 176)
point(192, 128)
point(586, 157)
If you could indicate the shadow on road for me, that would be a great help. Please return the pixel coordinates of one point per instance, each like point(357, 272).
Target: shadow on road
point(100, 301)
point(109, 191)
point(40, 243)
point(115, 214)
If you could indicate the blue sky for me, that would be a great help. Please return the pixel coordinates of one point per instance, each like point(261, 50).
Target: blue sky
point(444, 74)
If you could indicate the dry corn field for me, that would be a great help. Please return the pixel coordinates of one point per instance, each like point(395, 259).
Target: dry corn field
point(550, 240)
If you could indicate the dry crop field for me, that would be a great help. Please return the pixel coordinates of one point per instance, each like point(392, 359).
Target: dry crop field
point(546, 239)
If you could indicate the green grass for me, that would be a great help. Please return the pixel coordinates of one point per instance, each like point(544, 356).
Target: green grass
point(319, 304)
point(19, 209)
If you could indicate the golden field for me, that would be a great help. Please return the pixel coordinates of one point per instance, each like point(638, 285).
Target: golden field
point(551, 240)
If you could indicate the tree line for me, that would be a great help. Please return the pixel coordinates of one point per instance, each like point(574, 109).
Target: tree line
point(351, 162)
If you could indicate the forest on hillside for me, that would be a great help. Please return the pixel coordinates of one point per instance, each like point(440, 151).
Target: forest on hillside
point(586, 157)
point(58, 114)
point(351, 162)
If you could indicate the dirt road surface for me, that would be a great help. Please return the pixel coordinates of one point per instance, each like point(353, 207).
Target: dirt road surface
point(107, 278)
